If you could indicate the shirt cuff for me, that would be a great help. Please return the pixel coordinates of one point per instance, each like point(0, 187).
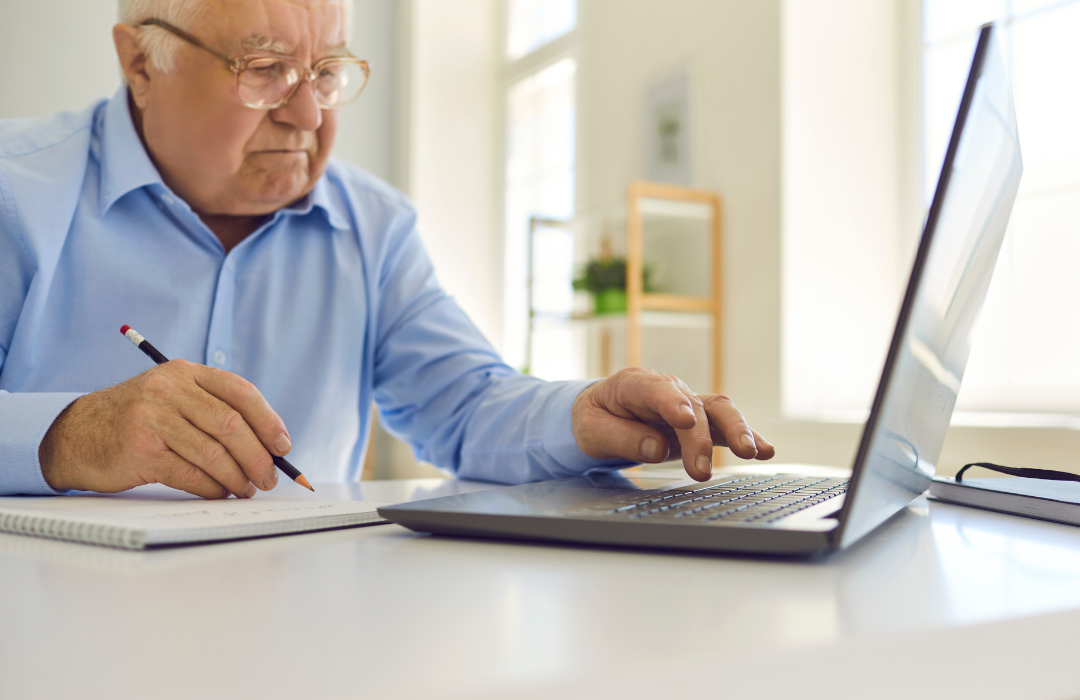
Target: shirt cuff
point(559, 440)
point(24, 420)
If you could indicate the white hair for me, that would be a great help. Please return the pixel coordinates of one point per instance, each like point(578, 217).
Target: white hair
point(160, 45)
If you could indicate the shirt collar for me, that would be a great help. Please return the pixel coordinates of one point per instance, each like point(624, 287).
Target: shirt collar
point(321, 197)
point(125, 167)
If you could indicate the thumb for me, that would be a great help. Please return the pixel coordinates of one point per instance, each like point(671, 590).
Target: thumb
point(607, 436)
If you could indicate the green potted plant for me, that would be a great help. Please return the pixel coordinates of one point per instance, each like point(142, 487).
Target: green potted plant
point(605, 279)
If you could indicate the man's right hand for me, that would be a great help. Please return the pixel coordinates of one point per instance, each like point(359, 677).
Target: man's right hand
point(195, 428)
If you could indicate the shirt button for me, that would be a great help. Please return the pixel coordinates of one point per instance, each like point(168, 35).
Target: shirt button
point(219, 357)
point(167, 199)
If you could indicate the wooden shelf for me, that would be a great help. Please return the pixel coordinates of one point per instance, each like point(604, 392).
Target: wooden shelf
point(652, 199)
point(695, 211)
point(649, 319)
point(677, 319)
point(675, 302)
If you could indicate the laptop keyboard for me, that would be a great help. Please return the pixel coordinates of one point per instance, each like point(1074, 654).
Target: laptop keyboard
point(755, 499)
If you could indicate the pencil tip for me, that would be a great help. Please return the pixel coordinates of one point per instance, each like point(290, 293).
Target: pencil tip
point(302, 480)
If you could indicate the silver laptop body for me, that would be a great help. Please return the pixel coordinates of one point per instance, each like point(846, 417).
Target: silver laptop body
point(806, 511)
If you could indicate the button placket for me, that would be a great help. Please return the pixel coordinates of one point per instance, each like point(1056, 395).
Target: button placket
point(219, 339)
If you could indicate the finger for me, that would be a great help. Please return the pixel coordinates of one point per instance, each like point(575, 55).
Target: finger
point(765, 450)
point(249, 403)
point(651, 396)
point(696, 443)
point(225, 424)
point(614, 437)
point(730, 427)
point(209, 455)
point(176, 472)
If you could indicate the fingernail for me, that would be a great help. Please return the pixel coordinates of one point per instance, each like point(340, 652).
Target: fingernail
point(270, 481)
point(688, 411)
point(704, 465)
point(650, 449)
point(283, 444)
point(748, 441)
point(250, 491)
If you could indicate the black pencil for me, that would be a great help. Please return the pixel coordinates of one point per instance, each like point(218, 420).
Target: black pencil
point(152, 352)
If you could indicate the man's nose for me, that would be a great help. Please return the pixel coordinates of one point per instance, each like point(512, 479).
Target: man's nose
point(301, 111)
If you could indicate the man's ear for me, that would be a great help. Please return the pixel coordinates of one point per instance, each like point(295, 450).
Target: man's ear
point(132, 62)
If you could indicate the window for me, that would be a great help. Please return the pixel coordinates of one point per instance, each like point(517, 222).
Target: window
point(1026, 356)
point(539, 174)
point(533, 23)
point(861, 158)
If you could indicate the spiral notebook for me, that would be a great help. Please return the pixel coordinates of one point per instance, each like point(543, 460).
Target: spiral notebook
point(154, 515)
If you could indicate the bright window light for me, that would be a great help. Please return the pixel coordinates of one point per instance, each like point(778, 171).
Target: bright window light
point(533, 23)
point(1025, 355)
point(540, 129)
point(846, 257)
point(556, 339)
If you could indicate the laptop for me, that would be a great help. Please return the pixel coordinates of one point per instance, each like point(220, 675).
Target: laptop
point(792, 510)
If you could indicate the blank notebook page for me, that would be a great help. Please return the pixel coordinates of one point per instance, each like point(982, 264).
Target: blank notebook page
point(157, 515)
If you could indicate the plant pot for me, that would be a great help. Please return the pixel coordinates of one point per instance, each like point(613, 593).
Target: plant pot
point(610, 301)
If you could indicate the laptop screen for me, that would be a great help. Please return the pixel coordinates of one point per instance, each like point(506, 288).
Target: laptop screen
point(964, 229)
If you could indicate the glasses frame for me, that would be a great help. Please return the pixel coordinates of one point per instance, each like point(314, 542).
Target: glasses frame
point(239, 65)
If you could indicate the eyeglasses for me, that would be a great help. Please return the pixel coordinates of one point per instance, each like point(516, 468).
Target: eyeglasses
point(268, 82)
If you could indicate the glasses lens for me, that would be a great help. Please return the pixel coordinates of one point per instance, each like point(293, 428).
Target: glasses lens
point(339, 83)
point(267, 81)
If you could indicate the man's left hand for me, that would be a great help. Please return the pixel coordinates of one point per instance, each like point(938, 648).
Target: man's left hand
point(644, 416)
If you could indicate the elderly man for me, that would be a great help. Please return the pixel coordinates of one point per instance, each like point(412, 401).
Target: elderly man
point(200, 205)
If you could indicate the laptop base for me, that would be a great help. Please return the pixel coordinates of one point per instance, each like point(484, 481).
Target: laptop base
point(553, 511)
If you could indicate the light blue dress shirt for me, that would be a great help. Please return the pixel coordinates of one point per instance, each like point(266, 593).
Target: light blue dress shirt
point(331, 304)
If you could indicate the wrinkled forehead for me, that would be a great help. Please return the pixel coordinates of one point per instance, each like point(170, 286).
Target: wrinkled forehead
point(308, 29)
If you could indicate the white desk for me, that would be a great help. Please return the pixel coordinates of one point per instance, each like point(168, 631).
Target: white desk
point(939, 594)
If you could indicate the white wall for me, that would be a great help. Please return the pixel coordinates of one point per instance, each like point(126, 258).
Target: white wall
point(454, 150)
point(841, 175)
point(369, 127)
point(57, 55)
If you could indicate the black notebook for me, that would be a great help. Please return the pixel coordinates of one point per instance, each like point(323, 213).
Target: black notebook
point(1056, 501)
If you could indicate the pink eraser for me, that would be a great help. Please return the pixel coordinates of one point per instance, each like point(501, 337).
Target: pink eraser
point(124, 329)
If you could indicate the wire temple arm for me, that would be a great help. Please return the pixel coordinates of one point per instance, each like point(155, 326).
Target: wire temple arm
point(1050, 474)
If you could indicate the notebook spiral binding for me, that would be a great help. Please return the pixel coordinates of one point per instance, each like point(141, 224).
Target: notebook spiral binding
point(72, 531)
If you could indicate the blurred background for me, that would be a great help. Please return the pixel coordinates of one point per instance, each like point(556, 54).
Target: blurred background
point(798, 144)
